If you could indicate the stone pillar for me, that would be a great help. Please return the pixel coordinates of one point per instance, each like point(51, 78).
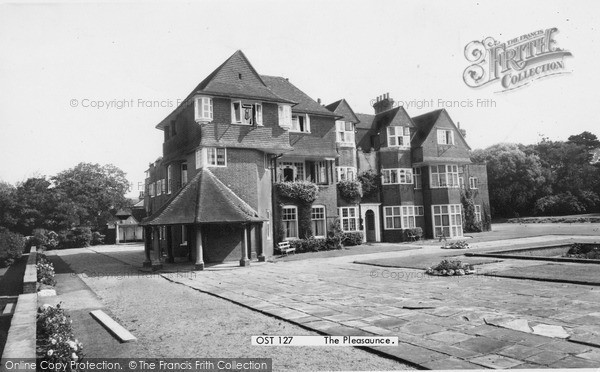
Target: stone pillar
point(117, 233)
point(244, 261)
point(199, 265)
point(259, 243)
point(147, 245)
point(156, 265)
point(170, 256)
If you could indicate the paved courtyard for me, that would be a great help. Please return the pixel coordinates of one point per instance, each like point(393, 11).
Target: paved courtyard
point(441, 322)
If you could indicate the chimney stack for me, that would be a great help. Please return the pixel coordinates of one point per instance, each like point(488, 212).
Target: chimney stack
point(383, 103)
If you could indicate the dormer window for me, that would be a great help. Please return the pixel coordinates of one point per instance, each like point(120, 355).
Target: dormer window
point(285, 116)
point(203, 109)
point(398, 136)
point(445, 137)
point(300, 123)
point(246, 113)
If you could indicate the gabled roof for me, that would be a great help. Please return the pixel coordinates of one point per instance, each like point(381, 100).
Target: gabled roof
point(366, 121)
point(236, 78)
point(205, 199)
point(283, 88)
point(426, 122)
point(343, 109)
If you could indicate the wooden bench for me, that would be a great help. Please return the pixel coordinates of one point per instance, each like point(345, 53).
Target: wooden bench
point(285, 248)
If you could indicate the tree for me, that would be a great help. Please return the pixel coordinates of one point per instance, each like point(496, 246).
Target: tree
point(515, 178)
point(96, 191)
point(585, 139)
point(8, 219)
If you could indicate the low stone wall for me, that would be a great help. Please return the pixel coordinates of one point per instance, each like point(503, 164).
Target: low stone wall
point(21, 338)
point(30, 277)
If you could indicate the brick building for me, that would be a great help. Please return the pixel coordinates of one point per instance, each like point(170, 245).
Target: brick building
point(210, 196)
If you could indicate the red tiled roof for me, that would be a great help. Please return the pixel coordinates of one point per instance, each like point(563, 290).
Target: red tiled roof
point(245, 136)
point(343, 109)
point(205, 199)
point(283, 88)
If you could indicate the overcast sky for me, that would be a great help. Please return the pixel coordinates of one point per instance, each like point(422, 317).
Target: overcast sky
point(59, 57)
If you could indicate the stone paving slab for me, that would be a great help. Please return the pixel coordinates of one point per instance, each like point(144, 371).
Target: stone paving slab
point(334, 296)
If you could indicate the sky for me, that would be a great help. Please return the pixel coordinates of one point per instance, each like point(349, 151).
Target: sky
point(89, 81)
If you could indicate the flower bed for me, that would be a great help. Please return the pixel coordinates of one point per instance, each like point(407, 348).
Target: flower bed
point(450, 268)
point(45, 271)
point(54, 337)
point(585, 251)
point(461, 244)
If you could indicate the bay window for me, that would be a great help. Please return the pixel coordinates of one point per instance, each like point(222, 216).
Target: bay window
point(396, 176)
point(203, 109)
point(346, 173)
point(444, 176)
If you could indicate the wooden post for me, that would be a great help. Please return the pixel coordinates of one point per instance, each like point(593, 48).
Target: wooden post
point(244, 261)
point(170, 256)
point(147, 245)
point(259, 243)
point(156, 265)
point(199, 265)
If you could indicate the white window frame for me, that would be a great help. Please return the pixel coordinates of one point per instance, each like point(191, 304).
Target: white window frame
point(256, 113)
point(284, 220)
point(418, 178)
point(296, 127)
point(397, 176)
point(159, 188)
point(404, 214)
point(345, 173)
point(169, 178)
point(184, 173)
point(151, 189)
point(319, 213)
point(344, 135)
point(203, 109)
point(449, 176)
point(269, 224)
point(454, 219)
point(284, 113)
point(298, 168)
point(473, 183)
point(394, 138)
point(477, 213)
point(207, 156)
point(445, 137)
point(351, 218)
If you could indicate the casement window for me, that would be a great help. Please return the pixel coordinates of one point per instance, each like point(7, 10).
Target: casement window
point(203, 109)
point(399, 217)
point(163, 185)
point(473, 182)
point(447, 221)
point(345, 173)
point(418, 179)
point(159, 188)
point(216, 156)
point(169, 178)
point(184, 174)
point(151, 190)
point(349, 219)
point(398, 136)
point(317, 220)
point(461, 182)
point(285, 116)
point(246, 113)
point(443, 176)
point(147, 173)
point(317, 172)
point(445, 137)
point(291, 171)
point(300, 123)
point(396, 176)
point(183, 234)
point(477, 213)
point(289, 219)
point(419, 210)
point(344, 132)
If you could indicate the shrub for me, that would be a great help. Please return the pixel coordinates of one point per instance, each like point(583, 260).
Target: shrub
point(450, 268)
point(11, 247)
point(351, 191)
point(54, 337)
point(461, 244)
point(43, 239)
point(560, 204)
point(352, 238)
point(309, 245)
point(415, 231)
point(45, 270)
point(585, 251)
point(77, 237)
point(370, 182)
point(304, 192)
point(97, 238)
